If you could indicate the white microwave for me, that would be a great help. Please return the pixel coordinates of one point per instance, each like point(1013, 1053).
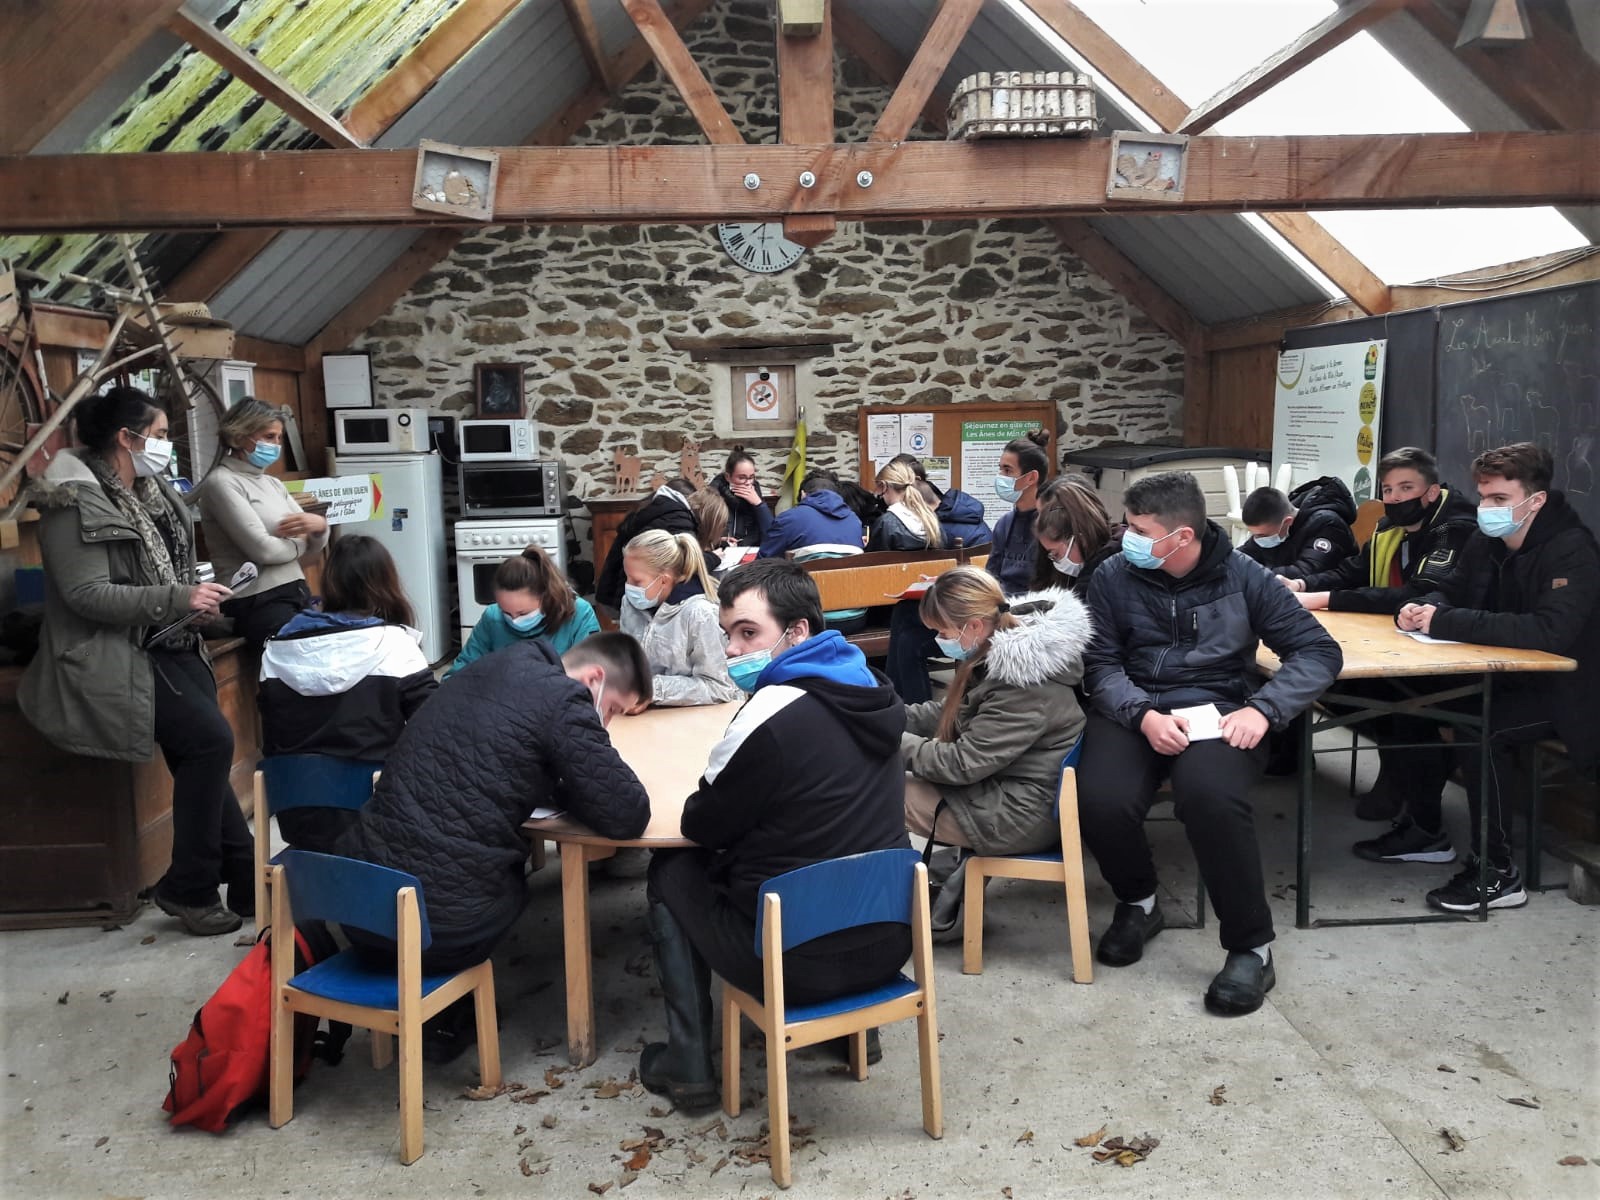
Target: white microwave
point(381, 431)
point(497, 439)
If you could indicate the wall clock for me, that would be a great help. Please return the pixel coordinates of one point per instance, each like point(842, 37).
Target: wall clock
point(758, 246)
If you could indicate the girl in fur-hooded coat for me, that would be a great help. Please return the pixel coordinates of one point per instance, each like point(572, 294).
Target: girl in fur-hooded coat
point(992, 748)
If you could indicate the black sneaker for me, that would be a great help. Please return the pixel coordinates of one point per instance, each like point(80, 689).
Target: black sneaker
point(1122, 944)
point(1406, 842)
point(1461, 893)
point(202, 920)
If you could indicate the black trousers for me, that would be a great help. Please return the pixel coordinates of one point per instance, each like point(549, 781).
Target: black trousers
point(211, 842)
point(911, 645)
point(444, 956)
point(1517, 716)
point(1117, 779)
point(256, 618)
point(1408, 774)
point(837, 964)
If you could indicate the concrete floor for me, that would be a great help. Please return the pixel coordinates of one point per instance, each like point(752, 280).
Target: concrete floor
point(1374, 1041)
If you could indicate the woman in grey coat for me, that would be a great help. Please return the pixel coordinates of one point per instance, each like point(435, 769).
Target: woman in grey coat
point(118, 549)
point(670, 607)
point(983, 766)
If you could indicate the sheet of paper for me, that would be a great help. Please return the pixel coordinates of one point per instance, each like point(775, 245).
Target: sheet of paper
point(1418, 635)
point(544, 814)
point(883, 436)
point(1203, 719)
point(938, 468)
point(916, 433)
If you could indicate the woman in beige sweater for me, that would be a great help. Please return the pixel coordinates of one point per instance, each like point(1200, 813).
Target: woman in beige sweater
point(249, 516)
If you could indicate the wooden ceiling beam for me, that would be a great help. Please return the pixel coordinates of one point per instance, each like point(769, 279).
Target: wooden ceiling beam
point(1162, 105)
point(581, 18)
point(939, 43)
point(55, 53)
point(249, 70)
point(805, 111)
point(1333, 30)
point(703, 184)
point(678, 65)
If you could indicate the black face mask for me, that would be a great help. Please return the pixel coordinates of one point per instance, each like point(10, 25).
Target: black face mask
point(1407, 512)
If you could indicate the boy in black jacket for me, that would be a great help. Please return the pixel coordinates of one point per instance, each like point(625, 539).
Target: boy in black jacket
point(1530, 578)
point(1177, 619)
point(1304, 533)
point(809, 770)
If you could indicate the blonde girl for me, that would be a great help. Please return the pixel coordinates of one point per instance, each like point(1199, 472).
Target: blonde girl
point(670, 606)
point(909, 523)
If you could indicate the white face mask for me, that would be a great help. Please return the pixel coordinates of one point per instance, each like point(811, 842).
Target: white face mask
point(153, 458)
point(1064, 565)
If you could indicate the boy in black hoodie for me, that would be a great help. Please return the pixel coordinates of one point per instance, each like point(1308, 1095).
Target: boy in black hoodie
point(809, 770)
point(1530, 578)
point(1304, 533)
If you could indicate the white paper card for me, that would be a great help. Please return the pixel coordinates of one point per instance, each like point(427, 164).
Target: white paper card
point(1418, 635)
point(1203, 721)
point(545, 814)
point(883, 436)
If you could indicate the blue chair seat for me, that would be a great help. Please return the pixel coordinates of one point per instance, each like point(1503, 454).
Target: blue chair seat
point(1051, 856)
point(348, 978)
point(893, 990)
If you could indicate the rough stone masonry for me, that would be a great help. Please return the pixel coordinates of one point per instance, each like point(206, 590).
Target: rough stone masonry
point(936, 311)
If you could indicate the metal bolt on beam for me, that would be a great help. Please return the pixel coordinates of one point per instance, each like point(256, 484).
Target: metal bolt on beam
point(864, 179)
point(808, 179)
point(752, 181)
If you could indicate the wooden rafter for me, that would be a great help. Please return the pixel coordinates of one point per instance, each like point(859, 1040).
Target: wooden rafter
point(1333, 30)
point(1547, 80)
point(883, 60)
point(927, 67)
point(702, 184)
point(678, 65)
point(581, 18)
point(805, 111)
point(368, 119)
point(249, 70)
point(1158, 101)
point(55, 53)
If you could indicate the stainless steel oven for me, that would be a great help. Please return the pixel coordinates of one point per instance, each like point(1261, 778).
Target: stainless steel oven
point(511, 489)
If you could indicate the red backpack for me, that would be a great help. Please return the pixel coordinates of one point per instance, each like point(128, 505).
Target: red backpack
point(222, 1065)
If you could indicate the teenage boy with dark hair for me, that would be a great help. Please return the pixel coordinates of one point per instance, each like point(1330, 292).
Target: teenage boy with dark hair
point(1529, 578)
point(1177, 619)
point(1415, 549)
point(1304, 533)
point(809, 770)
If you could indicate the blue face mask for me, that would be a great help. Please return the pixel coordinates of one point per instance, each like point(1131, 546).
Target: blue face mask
point(952, 648)
point(1138, 549)
point(745, 669)
point(1268, 541)
point(264, 455)
point(528, 623)
point(1006, 488)
point(637, 596)
point(1501, 522)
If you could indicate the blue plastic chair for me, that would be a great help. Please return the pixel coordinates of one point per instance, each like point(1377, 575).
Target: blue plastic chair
point(797, 906)
point(392, 1002)
point(1062, 865)
point(285, 781)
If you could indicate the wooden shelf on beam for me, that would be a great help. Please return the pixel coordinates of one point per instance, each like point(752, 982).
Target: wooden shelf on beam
point(758, 348)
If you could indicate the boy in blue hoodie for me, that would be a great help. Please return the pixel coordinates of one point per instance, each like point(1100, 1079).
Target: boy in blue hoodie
point(822, 518)
point(809, 770)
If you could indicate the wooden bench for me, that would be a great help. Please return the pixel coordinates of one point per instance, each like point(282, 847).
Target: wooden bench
point(873, 581)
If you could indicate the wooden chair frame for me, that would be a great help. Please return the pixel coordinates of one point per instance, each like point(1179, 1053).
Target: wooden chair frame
point(404, 1021)
point(783, 1036)
point(263, 843)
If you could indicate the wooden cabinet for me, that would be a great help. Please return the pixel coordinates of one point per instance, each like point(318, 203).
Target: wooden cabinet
point(608, 513)
point(81, 837)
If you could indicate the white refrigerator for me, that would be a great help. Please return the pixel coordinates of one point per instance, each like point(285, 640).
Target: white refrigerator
point(411, 528)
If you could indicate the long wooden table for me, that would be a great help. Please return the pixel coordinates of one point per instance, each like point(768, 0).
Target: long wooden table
point(1375, 649)
point(668, 749)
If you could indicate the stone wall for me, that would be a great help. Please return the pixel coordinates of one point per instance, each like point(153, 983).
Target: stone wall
point(936, 312)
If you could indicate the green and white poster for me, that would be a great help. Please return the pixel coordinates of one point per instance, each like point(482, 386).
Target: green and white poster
point(982, 443)
point(1325, 420)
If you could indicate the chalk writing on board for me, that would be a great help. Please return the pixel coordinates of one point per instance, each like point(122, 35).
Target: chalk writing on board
point(1558, 333)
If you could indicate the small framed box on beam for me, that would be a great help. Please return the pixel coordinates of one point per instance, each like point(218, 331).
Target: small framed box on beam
point(455, 180)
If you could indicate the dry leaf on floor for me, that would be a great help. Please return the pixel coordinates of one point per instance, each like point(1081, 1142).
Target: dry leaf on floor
point(1216, 1096)
point(639, 1161)
point(657, 1111)
point(1092, 1139)
point(1445, 1069)
point(107, 994)
point(519, 1131)
point(147, 939)
point(627, 1178)
point(529, 1097)
point(524, 1144)
point(548, 1121)
point(600, 1189)
point(62, 999)
point(1521, 1102)
point(1572, 1160)
point(721, 1162)
point(552, 1078)
point(714, 1125)
point(606, 1089)
point(1006, 1192)
point(98, 1142)
point(522, 1164)
point(483, 1092)
point(1455, 1140)
point(1025, 1138)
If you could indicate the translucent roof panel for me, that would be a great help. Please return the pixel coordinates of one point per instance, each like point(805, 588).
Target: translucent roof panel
point(1199, 47)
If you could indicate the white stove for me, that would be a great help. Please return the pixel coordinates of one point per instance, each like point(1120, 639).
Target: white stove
point(481, 546)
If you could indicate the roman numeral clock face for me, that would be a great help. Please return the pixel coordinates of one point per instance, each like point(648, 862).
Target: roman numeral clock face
point(759, 247)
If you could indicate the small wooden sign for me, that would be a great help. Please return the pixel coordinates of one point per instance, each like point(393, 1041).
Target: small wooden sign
point(1147, 166)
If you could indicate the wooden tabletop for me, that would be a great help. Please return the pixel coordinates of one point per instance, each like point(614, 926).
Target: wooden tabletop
point(668, 749)
point(1373, 648)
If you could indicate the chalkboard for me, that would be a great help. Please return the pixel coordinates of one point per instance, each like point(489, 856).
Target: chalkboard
point(1523, 368)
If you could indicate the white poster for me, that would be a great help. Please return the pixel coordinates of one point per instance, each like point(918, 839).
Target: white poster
point(1327, 412)
point(982, 443)
point(938, 470)
point(760, 396)
point(916, 434)
point(350, 498)
point(883, 437)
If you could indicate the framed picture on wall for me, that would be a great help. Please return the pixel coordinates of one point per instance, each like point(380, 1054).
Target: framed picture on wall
point(499, 390)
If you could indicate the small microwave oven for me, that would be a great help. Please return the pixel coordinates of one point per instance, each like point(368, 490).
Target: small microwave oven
point(511, 489)
point(381, 431)
point(497, 439)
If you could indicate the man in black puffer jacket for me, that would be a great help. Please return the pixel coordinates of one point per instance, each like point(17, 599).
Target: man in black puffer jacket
point(1303, 533)
point(1177, 619)
point(522, 729)
point(1529, 578)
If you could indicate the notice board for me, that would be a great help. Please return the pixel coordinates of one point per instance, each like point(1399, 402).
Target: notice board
point(910, 426)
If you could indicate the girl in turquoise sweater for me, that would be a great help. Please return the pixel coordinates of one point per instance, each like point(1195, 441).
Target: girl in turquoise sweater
point(532, 600)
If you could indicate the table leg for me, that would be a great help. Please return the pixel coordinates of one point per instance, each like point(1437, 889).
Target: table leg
point(1302, 850)
point(579, 965)
point(1483, 801)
